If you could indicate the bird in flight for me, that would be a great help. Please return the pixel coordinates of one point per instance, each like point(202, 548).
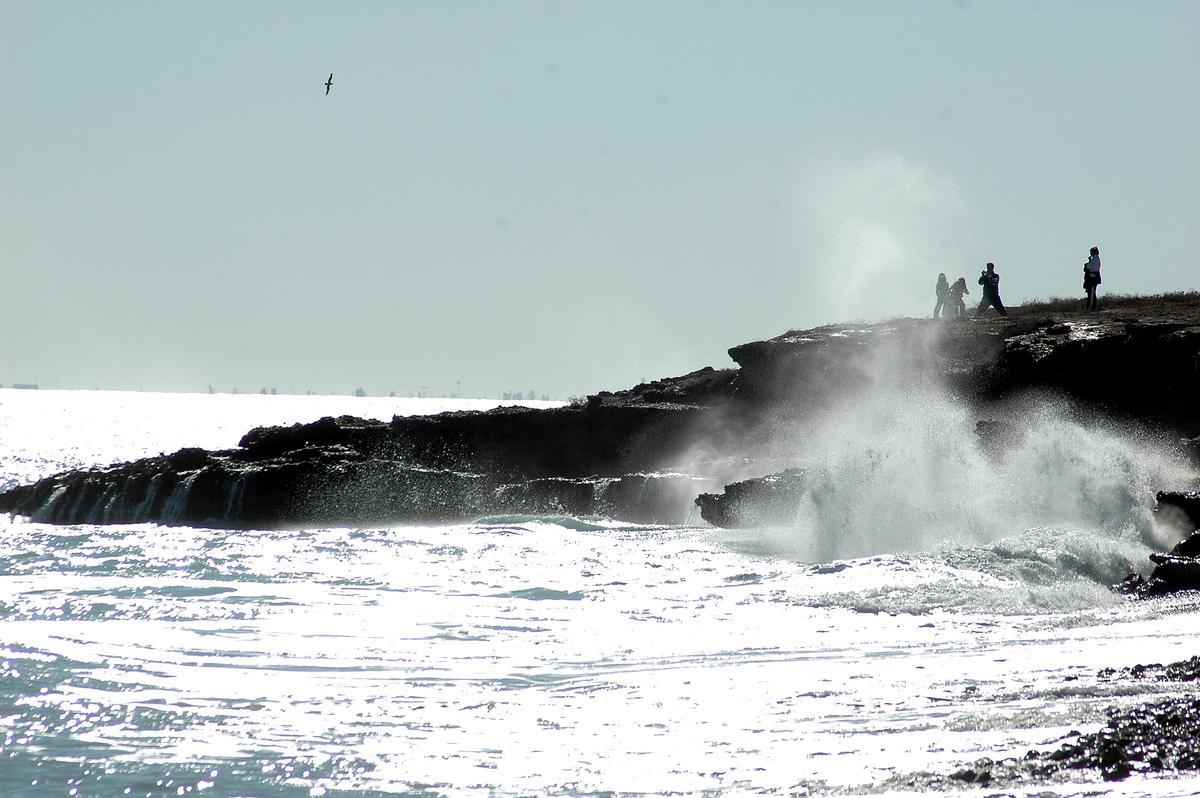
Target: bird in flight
point(328, 83)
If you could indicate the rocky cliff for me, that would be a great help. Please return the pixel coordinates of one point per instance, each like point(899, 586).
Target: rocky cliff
point(645, 454)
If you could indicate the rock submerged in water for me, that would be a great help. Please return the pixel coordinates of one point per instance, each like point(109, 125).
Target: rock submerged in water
point(1153, 738)
point(1187, 670)
point(1149, 739)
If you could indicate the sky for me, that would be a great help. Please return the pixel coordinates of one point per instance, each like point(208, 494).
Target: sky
point(562, 197)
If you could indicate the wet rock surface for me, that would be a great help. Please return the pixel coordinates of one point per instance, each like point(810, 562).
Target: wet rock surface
point(1152, 738)
point(1187, 670)
point(762, 501)
point(1178, 570)
point(1184, 505)
point(647, 453)
point(345, 471)
point(1158, 737)
point(1143, 361)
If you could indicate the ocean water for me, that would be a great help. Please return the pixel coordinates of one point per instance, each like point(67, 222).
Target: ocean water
point(902, 625)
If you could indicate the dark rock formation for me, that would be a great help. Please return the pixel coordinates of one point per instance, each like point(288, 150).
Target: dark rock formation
point(1188, 547)
point(645, 498)
point(1184, 506)
point(1152, 738)
point(646, 453)
point(1147, 739)
point(1171, 574)
point(1187, 670)
point(1146, 367)
point(762, 501)
point(350, 471)
point(1180, 569)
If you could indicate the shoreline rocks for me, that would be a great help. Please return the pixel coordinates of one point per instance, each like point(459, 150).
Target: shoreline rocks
point(1156, 737)
point(1179, 569)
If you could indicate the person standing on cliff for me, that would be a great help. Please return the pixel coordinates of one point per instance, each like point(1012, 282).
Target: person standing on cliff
point(956, 305)
point(990, 280)
point(1091, 277)
point(943, 295)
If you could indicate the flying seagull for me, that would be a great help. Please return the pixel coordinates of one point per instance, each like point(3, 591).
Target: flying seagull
point(328, 83)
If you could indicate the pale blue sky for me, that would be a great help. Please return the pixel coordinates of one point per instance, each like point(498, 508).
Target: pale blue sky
point(561, 196)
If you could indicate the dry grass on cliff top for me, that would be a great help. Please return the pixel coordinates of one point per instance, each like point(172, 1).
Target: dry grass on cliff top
point(1177, 307)
point(1139, 305)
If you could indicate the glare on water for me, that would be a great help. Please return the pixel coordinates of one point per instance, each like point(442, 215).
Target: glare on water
point(522, 655)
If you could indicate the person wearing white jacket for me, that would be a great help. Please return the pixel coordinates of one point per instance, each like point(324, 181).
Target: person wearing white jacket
point(1091, 277)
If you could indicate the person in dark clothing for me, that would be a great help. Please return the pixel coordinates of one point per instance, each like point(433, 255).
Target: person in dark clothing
point(990, 280)
point(958, 308)
point(1091, 277)
point(943, 295)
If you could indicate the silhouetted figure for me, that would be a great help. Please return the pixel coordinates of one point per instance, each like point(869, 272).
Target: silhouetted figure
point(1091, 277)
point(328, 83)
point(990, 280)
point(956, 307)
point(943, 293)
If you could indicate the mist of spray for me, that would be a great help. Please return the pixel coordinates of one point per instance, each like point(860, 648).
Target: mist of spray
point(897, 466)
point(904, 471)
point(882, 227)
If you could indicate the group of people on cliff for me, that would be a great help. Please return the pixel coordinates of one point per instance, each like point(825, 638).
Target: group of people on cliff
point(950, 298)
point(950, 303)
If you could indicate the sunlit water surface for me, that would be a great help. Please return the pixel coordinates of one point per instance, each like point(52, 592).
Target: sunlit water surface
point(525, 656)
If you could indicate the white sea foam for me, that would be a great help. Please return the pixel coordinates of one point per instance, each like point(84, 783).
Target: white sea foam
point(904, 471)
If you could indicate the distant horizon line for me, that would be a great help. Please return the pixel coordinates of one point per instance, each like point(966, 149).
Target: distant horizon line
point(502, 396)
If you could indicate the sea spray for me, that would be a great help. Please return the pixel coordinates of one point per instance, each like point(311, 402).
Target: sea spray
point(896, 458)
point(878, 225)
point(903, 470)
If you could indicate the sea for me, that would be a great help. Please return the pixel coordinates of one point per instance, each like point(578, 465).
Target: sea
point(934, 605)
